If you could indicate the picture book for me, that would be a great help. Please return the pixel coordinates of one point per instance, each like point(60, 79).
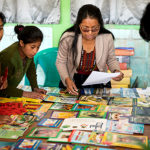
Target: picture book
point(63, 114)
point(88, 147)
point(96, 138)
point(140, 119)
point(103, 108)
point(6, 145)
point(51, 90)
point(121, 102)
point(142, 111)
point(143, 102)
point(64, 146)
point(93, 100)
point(91, 114)
point(123, 59)
point(47, 146)
point(50, 98)
point(78, 147)
point(124, 140)
point(77, 136)
point(84, 124)
point(120, 86)
point(78, 107)
point(115, 115)
point(123, 66)
point(38, 132)
point(50, 122)
point(62, 106)
point(28, 144)
point(62, 137)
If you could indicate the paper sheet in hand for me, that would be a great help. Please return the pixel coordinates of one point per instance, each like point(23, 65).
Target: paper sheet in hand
point(97, 77)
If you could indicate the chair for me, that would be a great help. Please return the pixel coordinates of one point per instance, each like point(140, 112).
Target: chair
point(47, 74)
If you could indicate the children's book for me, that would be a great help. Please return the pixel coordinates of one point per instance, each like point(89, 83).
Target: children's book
point(62, 106)
point(64, 146)
point(91, 114)
point(50, 122)
point(63, 114)
point(62, 137)
point(6, 145)
point(124, 140)
point(78, 107)
point(28, 144)
point(88, 147)
point(115, 115)
point(84, 124)
point(142, 111)
point(140, 119)
point(123, 59)
point(50, 98)
point(38, 132)
point(78, 147)
point(93, 100)
point(96, 138)
point(77, 136)
point(47, 146)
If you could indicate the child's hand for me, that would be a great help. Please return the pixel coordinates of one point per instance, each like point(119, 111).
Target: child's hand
point(4, 119)
point(33, 95)
point(42, 91)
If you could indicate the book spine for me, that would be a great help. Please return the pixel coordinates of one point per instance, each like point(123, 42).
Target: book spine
point(125, 48)
point(123, 59)
point(120, 52)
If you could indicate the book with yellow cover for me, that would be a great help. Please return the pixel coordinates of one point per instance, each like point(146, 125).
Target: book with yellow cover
point(123, 140)
point(119, 86)
point(127, 73)
point(124, 81)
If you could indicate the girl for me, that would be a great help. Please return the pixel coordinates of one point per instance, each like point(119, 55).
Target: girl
point(18, 57)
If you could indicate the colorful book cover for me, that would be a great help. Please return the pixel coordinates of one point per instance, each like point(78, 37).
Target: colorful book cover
point(88, 124)
point(103, 108)
point(78, 107)
point(91, 114)
point(6, 145)
point(124, 52)
point(62, 137)
point(142, 111)
point(47, 146)
point(62, 106)
point(63, 114)
point(50, 122)
point(96, 138)
point(28, 144)
point(78, 147)
point(64, 146)
point(123, 59)
point(123, 66)
point(93, 100)
point(116, 116)
point(50, 98)
point(140, 119)
point(38, 132)
point(124, 140)
point(124, 81)
point(79, 136)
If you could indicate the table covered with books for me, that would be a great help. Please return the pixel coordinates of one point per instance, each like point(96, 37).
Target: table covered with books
point(96, 119)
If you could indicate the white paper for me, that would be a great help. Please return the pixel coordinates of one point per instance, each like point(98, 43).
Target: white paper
point(97, 77)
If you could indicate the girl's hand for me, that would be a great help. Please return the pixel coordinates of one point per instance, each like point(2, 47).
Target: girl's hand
point(42, 91)
point(5, 119)
point(33, 95)
point(120, 77)
point(71, 87)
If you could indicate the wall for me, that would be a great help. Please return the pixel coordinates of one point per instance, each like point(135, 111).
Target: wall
point(126, 35)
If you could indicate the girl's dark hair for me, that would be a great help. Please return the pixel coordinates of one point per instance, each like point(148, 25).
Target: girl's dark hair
point(3, 18)
point(84, 12)
point(28, 34)
point(145, 24)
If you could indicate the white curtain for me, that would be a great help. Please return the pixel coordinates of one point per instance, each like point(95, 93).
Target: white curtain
point(31, 11)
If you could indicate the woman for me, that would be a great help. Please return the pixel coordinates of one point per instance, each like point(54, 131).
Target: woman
point(18, 57)
point(85, 47)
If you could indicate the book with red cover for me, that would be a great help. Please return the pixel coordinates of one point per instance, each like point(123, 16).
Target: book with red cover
point(123, 66)
point(124, 51)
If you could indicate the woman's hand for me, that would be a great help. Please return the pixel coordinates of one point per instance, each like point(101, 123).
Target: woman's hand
point(71, 87)
point(4, 119)
point(33, 95)
point(42, 91)
point(3, 85)
point(119, 77)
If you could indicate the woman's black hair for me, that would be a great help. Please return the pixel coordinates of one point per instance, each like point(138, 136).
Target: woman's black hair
point(145, 24)
point(84, 12)
point(28, 34)
point(3, 18)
